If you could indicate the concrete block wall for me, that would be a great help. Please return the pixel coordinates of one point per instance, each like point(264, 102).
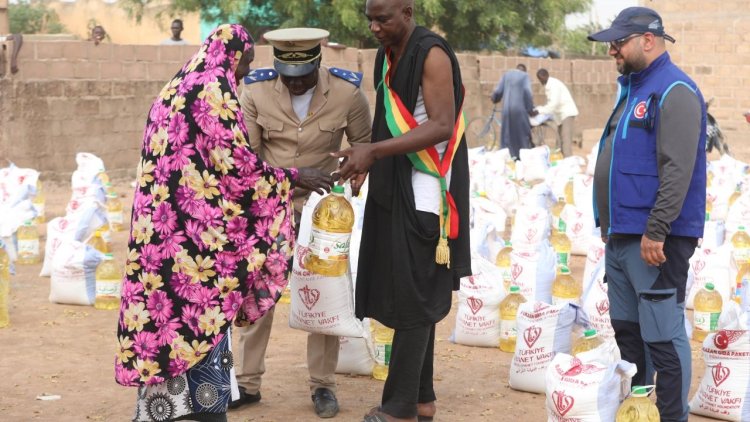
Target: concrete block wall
point(72, 96)
point(713, 48)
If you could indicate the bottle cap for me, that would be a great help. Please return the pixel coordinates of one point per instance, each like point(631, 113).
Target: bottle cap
point(27, 223)
point(515, 289)
point(108, 256)
point(710, 287)
point(741, 228)
point(639, 391)
point(111, 195)
point(564, 270)
point(337, 189)
point(589, 333)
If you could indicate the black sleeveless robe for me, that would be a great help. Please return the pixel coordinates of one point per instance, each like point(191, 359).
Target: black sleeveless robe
point(398, 281)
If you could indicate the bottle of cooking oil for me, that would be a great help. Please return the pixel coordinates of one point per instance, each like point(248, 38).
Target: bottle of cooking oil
point(740, 247)
point(741, 292)
point(736, 194)
point(109, 189)
point(333, 219)
point(569, 198)
point(38, 203)
point(565, 288)
point(508, 313)
point(555, 156)
point(562, 246)
point(114, 212)
point(502, 261)
point(382, 336)
point(556, 211)
point(286, 296)
point(98, 243)
point(589, 341)
point(4, 287)
point(28, 244)
point(638, 407)
point(108, 280)
point(706, 312)
point(103, 177)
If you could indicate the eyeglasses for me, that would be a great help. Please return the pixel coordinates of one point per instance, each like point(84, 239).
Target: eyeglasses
point(618, 44)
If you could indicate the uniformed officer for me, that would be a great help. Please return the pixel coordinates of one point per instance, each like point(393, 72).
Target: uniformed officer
point(296, 115)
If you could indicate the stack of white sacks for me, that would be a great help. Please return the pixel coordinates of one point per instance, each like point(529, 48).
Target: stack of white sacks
point(17, 190)
point(502, 189)
point(69, 260)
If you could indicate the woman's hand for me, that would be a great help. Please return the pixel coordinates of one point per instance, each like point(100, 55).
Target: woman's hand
point(314, 180)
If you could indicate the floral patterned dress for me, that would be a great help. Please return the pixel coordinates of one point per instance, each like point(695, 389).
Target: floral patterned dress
point(212, 236)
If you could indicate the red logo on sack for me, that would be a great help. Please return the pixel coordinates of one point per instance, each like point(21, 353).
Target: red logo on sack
point(530, 234)
point(531, 335)
point(533, 217)
point(515, 271)
point(587, 181)
point(698, 266)
point(300, 255)
point(640, 110)
point(602, 306)
point(720, 374)
point(563, 403)
point(577, 228)
point(724, 338)
point(471, 279)
point(578, 367)
point(475, 304)
point(309, 297)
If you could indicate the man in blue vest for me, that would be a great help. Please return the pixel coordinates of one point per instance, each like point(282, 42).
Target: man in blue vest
point(649, 200)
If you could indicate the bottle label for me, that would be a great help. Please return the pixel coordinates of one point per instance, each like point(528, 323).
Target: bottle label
point(114, 217)
point(706, 321)
point(507, 275)
point(561, 226)
point(327, 245)
point(560, 300)
point(28, 247)
point(108, 288)
point(741, 255)
point(508, 329)
point(563, 258)
point(383, 353)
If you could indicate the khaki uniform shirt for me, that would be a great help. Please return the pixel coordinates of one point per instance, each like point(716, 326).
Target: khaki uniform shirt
point(276, 134)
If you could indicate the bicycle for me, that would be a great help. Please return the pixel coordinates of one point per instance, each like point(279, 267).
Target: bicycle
point(484, 131)
point(546, 133)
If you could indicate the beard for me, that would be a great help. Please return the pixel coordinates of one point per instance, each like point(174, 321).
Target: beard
point(632, 65)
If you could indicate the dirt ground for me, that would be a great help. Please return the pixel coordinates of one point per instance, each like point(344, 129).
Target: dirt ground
point(69, 351)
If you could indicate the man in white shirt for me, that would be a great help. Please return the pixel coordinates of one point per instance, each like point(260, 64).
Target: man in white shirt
point(561, 106)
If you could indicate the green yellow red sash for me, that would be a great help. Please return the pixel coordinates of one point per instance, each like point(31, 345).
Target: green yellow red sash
point(428, 161)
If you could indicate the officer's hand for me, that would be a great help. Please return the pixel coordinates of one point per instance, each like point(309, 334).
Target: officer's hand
point(314, 180)
point(357, 160)
point(357, 182)
point(652, 251)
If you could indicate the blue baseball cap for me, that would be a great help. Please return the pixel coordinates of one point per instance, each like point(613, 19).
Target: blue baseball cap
point(633, 20)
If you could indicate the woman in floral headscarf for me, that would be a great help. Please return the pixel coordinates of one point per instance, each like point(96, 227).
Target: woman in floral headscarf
point(211, 238)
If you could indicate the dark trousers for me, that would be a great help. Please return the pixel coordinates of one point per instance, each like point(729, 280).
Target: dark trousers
point(410, 372)
point(647, 307)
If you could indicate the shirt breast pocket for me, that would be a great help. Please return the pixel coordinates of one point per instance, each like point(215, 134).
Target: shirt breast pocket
point(332, 131)
point(272, 128)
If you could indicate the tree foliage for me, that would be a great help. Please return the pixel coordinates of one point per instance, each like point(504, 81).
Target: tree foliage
point(467, 24)
point(32, 17)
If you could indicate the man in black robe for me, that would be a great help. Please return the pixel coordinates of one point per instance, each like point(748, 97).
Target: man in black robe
point(399, 282)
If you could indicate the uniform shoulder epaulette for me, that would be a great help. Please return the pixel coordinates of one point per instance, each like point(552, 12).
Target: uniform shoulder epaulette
point(355, 78)
point(259, 75)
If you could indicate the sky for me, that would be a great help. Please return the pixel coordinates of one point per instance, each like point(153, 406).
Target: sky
point(602, 11)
